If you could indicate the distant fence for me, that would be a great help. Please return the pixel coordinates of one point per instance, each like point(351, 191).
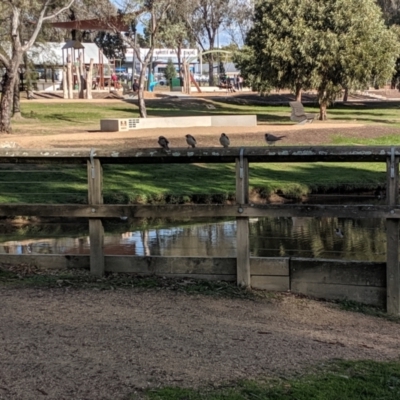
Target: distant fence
point(372, 283)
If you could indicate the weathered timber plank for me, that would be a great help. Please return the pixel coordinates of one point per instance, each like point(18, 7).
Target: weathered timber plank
point(203, 265)
point(242, 224)
point(269, 266)
point(48, 261)
point(392, 239)
point(198, 211)
point(216, 277)
point(96, 234)
point(171, 265)
point(271, 283)
point(95, 182)
point(211, 154)
point(375, 296)
point(392, 267)
point(323, 271)
point(96, 230)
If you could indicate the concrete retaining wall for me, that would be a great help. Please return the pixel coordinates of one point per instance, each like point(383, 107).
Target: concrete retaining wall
point(364, 282)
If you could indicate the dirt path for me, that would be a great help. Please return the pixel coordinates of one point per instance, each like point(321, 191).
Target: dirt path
point(315, 134)
point(76, 344)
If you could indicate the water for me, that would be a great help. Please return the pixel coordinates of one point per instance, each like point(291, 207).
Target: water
point(333, 238)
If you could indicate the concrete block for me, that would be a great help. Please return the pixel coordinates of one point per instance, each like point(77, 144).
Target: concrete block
point(114, 125)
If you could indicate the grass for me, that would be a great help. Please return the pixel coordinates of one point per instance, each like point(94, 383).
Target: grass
point(353, 306)
point(389, 140)
point(178, 184)
point(343, 380)
point(29, 276)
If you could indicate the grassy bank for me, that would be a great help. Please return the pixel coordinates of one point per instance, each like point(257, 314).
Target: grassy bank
point(344, 380)
point(176, 184)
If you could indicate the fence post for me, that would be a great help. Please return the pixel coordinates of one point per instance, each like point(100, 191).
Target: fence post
point(392, 237)
point(96, 230)
point(242, 223)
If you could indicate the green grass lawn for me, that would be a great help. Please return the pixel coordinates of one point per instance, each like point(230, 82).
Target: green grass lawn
point(344, 380)
point(175, 183)
point(70, 114)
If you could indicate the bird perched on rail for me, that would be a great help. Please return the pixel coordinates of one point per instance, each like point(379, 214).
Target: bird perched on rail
point(191, 141)
point(224, 140)
point(339, 233)
point(272, 139)
point(163, 142)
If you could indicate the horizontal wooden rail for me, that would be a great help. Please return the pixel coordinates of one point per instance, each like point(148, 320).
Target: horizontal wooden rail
point(207, 155)
point(198, 211)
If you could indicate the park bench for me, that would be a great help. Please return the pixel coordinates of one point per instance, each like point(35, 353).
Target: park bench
point(299, 115)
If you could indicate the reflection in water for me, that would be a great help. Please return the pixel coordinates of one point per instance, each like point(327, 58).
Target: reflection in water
point(362, 239)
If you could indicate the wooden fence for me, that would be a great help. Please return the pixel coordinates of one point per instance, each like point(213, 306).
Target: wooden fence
point(95, 210)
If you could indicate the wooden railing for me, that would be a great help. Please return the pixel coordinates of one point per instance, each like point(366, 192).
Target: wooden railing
point(95, 210)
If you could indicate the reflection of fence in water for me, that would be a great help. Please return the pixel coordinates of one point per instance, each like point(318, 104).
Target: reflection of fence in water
point(247, 270)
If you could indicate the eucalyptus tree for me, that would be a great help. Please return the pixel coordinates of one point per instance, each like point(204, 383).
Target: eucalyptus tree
point(239, 20)
point(15, 15)
point(205, 18)
point(175, 33)
point(152, 14)
point(327, 45)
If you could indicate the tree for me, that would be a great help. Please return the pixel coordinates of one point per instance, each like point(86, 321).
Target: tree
point(239, 20)
point(328, 45)
point(204, 19)
point(170, 71)
point(17, 14)
point(154, 12)
point(112, 45)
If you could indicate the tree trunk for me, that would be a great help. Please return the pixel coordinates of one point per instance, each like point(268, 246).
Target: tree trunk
point(346, 94)
point(142, 104)
point(89, 79)
point(69, 78)
point(211, 69)
point(6, 108)
point(16, 100)
point(80, 72)
point(6, 102)
point(322, 111)
point(298, 93)
point(179, 62)
point(65, 83)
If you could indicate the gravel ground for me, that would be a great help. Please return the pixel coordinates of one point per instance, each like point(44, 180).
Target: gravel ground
point(316, 134)
point(90, 344)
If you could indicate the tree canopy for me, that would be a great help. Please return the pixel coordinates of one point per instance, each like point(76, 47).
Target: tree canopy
point(327, 45)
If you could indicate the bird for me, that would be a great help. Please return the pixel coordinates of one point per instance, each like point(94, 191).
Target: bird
point(272, 139)
point(191, 141)
point(163, 142)
point(224, 140)
point(339, 233)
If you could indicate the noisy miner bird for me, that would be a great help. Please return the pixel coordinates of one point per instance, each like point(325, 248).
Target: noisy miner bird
point(272, 139)
point(163, 142)
point(191, 141)
point(224, 140)
point(339, 233)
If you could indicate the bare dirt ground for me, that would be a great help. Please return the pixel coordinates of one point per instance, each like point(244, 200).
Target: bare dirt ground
point(88, 344)
point(311, 134)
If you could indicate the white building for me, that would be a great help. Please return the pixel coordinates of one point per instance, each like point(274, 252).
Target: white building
point(160, 59)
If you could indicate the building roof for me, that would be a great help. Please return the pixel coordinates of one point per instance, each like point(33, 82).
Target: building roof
point(51, 53)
